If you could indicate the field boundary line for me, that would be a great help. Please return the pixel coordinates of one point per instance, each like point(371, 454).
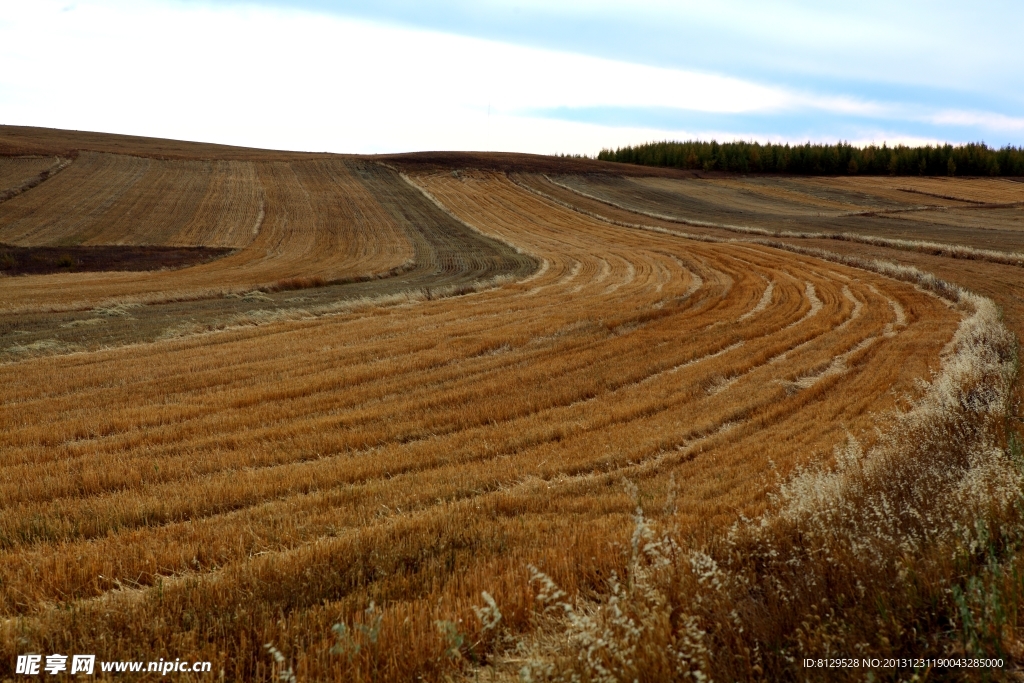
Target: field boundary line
point(947, 291)
point(979, 204)
point(440, 205)
point(261, 317)
point(260, 216)
point(762, 303)
point(59, 165)
point(956, 251)
point(622, 224)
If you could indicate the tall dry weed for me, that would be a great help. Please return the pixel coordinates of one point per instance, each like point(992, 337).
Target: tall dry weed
point(906, 549)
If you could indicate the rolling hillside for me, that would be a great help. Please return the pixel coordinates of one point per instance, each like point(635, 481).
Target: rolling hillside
point(402, 382)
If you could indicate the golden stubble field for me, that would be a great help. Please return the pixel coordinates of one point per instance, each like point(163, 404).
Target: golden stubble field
point(385, 463)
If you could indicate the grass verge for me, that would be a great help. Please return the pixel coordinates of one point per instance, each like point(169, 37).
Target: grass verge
point(911, 549)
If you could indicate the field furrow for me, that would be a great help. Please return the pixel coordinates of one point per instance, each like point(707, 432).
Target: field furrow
point(987, 213)
point(20, 174)
point(316, 220)
point(260, 484)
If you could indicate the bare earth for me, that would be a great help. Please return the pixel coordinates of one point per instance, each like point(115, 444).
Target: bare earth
point(401, 380)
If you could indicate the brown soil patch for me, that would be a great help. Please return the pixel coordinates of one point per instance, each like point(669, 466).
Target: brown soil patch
point(262, 484)
point(25, 140)
point(826, 205)
point(351, 437)
point(43, 260)
point(445, 256)
point(507, 162)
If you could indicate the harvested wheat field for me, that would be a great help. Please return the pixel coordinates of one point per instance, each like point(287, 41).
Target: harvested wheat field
point(413, 393)
point(979, 212)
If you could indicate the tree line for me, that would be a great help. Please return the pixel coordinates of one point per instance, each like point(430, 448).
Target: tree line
point(974, 159)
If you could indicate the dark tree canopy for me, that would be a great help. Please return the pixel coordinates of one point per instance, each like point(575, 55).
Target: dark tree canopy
point(975, 159)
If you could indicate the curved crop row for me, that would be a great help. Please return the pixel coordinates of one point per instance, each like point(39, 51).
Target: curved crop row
point(312, 219)
point(262, 484)
point(115, 199)
point(19, 174)
point(973, 219)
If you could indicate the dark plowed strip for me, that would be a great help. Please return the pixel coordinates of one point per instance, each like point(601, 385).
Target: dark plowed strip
point(42, 260)
point(636, 196)
point(447, 255)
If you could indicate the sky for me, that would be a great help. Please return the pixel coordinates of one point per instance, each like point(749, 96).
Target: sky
point(543, 76)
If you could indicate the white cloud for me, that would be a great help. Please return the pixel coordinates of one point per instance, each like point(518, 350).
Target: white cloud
point(995, 122)
point(286, 78)
point(292, 79)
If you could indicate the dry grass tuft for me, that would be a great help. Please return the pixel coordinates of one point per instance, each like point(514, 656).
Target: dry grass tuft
point(357, 489)
point(899, 550)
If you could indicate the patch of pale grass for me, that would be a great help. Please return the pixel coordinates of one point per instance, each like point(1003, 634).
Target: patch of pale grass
point(42, 347)
point(118, 309)
point(873, 527)
point(85, 322)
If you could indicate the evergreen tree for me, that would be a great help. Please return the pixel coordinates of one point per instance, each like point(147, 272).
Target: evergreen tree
point(810, 159)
